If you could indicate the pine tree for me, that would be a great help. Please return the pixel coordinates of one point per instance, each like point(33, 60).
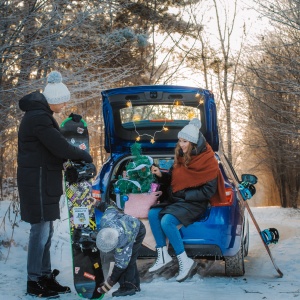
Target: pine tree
point(138, 177)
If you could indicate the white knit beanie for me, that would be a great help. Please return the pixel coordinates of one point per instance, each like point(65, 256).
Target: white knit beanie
point(55, 91)
point(107, 239)
point(190, 132)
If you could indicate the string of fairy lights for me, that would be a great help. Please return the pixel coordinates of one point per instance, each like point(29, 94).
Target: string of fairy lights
point(176, 102)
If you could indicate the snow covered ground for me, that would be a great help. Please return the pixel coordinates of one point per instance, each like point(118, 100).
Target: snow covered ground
point(259, 282)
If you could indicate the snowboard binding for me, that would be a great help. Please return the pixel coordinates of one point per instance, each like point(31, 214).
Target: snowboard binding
point(246, 187)
point(79, 171)
point(270, 236)
point(85, 239)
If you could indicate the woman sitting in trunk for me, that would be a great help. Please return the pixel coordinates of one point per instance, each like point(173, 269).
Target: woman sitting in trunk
point(193, 180)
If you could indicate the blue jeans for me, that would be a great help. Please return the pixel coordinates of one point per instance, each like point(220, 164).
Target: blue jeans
point(38, 260)
point(165, 227)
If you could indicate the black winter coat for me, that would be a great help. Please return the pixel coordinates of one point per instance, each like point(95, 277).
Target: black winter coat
point(188, 205)
point(42, 149)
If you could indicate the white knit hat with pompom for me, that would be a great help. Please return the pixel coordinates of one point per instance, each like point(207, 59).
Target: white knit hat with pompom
point(190, 132)
point(55, 91)
point(107, 239)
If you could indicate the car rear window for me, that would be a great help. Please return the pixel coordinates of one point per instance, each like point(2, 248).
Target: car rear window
point(176, 114)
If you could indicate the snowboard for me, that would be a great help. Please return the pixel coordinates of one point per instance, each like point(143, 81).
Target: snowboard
point(247, 190)
point(87, 267)
point(280, 274)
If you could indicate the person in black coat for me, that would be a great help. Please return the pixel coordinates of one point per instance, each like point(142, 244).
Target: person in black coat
point(42, 149)
point(193, 181)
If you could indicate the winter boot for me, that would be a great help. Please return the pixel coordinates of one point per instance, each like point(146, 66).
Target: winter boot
point(37, 288)
point(124, 290)
point(51, 283)
point(163, 260)
point(186, 266)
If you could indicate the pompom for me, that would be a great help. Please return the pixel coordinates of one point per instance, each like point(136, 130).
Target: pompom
point(196, 122)
point(54, 77)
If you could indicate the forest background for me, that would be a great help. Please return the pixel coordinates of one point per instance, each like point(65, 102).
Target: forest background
point(246, 52)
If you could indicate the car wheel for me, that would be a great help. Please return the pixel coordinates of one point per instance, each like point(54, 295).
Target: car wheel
point(234, 265)
point(246, 240)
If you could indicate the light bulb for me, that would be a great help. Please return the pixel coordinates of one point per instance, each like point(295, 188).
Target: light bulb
point(191, 115)
point(136, 117)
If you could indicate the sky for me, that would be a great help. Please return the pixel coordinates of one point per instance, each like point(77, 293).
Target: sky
point(259, 282)
point(247, 20)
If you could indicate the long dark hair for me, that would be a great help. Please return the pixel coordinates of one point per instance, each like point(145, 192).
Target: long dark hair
point(186, 157)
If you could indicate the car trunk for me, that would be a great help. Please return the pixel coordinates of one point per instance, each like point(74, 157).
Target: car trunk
point(153, 116)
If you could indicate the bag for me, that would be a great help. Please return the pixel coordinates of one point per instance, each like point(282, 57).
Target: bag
point(138, 205)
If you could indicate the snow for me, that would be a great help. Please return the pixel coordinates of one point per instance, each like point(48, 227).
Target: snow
point(259, 282)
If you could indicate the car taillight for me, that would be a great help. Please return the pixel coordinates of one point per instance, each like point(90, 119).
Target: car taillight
point(229, 194)
point(96, 194)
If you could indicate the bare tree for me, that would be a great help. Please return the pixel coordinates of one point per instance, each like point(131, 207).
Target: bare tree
point(274, 96)
point(38, 36)
point(217, 57)
point(94, 44)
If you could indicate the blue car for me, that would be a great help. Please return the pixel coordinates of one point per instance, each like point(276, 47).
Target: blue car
point(153, 115)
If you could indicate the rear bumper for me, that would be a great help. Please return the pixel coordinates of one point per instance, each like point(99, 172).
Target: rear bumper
point(211, 251)
point(195, 251)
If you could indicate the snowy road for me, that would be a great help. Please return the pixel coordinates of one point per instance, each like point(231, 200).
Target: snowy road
point(259, 282)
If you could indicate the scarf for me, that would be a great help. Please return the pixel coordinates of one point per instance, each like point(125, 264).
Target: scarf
point(201, 169)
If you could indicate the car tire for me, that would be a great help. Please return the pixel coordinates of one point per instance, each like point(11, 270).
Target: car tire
point(234, 265)
point(246, 240)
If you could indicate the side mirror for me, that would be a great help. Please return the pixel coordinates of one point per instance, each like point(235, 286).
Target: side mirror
point(249, 178)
